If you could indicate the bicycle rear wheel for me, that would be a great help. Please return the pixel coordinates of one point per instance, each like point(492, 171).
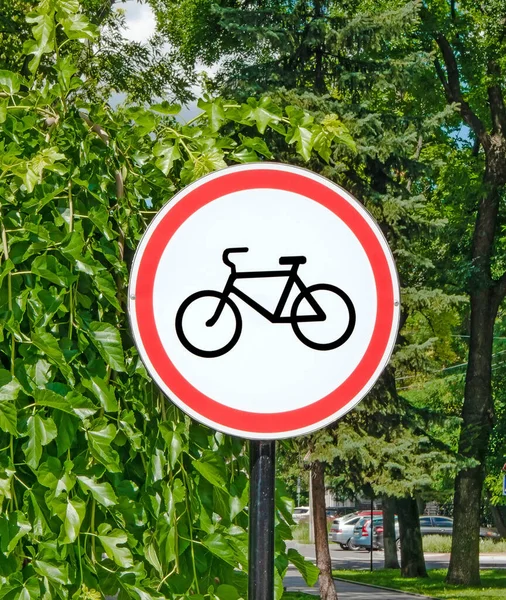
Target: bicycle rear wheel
point(204, 315)
point(346, 305)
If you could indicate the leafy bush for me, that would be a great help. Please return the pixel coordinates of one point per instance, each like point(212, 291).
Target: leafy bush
point(104, 485)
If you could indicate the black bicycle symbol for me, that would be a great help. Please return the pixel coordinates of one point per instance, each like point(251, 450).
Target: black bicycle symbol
point(306, 293)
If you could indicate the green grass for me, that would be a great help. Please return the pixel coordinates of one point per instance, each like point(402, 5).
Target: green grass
point(493, 583)
point(298, 596)
point(443, 543)
point(300, 532)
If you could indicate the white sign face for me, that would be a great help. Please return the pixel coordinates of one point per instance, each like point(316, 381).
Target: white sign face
point(264, 301)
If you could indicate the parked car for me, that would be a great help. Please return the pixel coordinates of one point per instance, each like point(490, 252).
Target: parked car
point(300, 513)
point(430, 526)
point(341, 531)
point(362, 532)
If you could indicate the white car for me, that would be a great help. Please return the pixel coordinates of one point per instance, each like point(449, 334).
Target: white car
point(341, 531)
point(301, 513)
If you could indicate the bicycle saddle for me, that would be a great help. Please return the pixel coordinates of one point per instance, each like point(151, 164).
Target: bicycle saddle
point(292, 260)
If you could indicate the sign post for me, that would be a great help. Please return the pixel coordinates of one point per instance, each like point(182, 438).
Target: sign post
point(261, 520)
point(264, 302)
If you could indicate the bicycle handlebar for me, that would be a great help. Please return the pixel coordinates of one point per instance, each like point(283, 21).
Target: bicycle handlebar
point(231, 251)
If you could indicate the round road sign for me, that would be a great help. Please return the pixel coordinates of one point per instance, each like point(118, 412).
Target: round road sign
point(264, 301)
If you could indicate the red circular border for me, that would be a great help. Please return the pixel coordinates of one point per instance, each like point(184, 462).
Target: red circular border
point(210, 409)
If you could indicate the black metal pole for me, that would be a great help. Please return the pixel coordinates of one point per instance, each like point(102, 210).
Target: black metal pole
point(372, 532)
point(261, 520)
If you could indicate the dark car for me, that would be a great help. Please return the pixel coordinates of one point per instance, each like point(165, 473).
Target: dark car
point(431, 526)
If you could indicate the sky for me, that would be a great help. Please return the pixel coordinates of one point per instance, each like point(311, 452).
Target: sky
point(140, 21)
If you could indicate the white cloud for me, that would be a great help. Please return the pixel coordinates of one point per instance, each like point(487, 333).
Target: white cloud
point(140, 21)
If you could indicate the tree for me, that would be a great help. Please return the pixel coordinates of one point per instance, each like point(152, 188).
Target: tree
point(112, 64)
point(469, 47)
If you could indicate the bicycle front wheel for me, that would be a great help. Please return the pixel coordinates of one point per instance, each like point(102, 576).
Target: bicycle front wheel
point(339, 310)
point(194, 332)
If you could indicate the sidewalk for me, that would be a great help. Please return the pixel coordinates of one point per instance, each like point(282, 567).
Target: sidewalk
point(346, 590)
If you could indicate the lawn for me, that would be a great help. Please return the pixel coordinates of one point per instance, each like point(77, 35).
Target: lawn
point(493, 583)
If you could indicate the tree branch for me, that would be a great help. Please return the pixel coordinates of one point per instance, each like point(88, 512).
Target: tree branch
point(495, 99)
point(451, 85)
point(499, 292)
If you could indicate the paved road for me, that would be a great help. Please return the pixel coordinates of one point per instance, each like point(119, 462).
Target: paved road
point(346, 590)
point(346, 559)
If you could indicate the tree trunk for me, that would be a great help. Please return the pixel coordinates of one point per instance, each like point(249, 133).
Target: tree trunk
point(476, 426)
point(412, 559)
point(323, 562)
point(477, 412)
point(389, 537)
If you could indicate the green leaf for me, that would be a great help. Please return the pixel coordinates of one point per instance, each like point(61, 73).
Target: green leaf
point(165, 154)
point(5, 268)
point(78, 27)
point(166, 108)
point(47, 266)
point(7, 471)
point(17, 590)
point(244, 155)
point(227, 592)
point(309, 571)
point(73, 246)
point(100, 437)
point(219, 545)
point(45, 342)
point(210, 160)
point(44, 38)
point(110, 540)
point(102, 492)
point(264, 113)
point(71, 511)
point(338, 131)
point(65, 69)
point(107, 340)
point(212, 467)
point(278, 586)
point(4, 102)
point(173, 441)
point(106, 285)
point(257, 144)
point(73, 403)
point(10, 82)
point(40, 433)
point(57, 573)
point(13, 527)
point(302, 138)
point(9, 390)
point(151, 552)
point(215, 112)
point(103, 392)
point(8, 417)
point(67, 430)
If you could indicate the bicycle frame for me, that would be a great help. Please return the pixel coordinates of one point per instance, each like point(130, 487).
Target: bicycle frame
point(274, 317)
